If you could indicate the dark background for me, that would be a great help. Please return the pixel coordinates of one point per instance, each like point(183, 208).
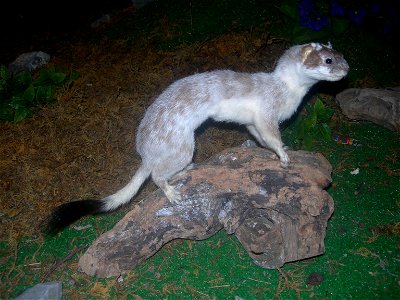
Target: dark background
point(25, 25)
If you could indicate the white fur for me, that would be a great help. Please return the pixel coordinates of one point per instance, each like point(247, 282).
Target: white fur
point(165, 137)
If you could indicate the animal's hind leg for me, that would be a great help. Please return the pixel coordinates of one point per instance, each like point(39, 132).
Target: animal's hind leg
point(171, 159)
point(170, 191)
point(168, 167)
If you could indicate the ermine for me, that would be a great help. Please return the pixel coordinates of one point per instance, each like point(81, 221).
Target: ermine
point(165, 138)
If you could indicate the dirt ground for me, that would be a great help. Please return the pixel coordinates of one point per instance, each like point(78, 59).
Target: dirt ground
point(84, 145)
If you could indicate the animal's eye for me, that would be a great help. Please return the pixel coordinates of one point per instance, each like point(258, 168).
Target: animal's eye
point(328, 61)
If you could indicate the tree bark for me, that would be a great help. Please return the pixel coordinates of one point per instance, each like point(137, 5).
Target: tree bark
point(279, 215)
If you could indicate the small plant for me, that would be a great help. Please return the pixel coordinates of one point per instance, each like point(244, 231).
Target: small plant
point(314, 124)
point(22, 93)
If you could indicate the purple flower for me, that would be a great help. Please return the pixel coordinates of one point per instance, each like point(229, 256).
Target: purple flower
point(391, 18)
point(387, 28)
point(376, 9)
point(309, 17)
point(318, 22)
point(357, 16)
point(306, 8)
point(336, 9)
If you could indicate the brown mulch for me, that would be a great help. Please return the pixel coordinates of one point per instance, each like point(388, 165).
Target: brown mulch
point(84, 145)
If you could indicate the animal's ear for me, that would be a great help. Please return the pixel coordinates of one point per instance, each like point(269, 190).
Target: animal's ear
point(306, 50)
point(329, 45)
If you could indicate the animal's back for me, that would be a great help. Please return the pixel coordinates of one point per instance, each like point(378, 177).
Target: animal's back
point(174, 116)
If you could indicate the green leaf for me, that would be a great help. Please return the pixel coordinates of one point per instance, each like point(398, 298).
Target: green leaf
point(74, 75)
point(45, 93)
point(310, 122)
point(17, 101)
point(325, 132)
point(319, 106)
point(4, 73)
point(6, 114)
point(309, 108)
point(29, 93)
point(51, 69)
point(58, 69)
point(339, 26)
point(3, 90)
point(289, 10)
point(299, 125)
point(324, 114)
point(45, 76)
point(58, 78)
point(308, 142)
point(21, 113)
point(21, 81)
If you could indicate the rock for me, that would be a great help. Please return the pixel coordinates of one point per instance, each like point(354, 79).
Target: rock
point(381, 106)
point(29, 62)
point(101, 21)
point(279, 215)
point(140, 3)
point(43, 291)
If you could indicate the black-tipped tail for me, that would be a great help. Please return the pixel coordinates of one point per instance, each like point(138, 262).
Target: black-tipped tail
point(68, 213)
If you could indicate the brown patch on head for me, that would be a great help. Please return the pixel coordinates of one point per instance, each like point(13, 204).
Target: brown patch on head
point(327, 52)
point(305, 52)
point(310, 57)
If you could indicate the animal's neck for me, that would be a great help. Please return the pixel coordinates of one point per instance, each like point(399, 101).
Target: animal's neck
point(295, 80)
point(296, 85)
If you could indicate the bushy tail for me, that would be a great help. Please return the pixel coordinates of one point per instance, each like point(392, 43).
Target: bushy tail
point(68, 213)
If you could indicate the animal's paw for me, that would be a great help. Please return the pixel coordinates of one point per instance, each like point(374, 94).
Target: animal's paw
point(173, 195)
point(189, 167)
point(285, 160)
point(176, 199)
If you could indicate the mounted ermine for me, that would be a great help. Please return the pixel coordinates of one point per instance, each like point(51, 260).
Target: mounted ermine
point(261, 101)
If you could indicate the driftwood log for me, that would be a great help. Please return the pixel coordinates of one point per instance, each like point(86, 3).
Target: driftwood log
point(279, 215)
point(381, 106)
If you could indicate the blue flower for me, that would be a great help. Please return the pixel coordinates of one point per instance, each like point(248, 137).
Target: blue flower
point(391, 19)
point(309, 17)
point(357, 16)
point(337, 10)
point(306, 8)
point(318, 22)
point(376, 9)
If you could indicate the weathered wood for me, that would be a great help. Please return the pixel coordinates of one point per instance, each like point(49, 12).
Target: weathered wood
point(279, 215)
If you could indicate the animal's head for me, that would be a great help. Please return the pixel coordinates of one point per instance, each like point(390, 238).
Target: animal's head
point(321, 62)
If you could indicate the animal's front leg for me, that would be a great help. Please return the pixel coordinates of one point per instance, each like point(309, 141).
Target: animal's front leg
point(268, 136)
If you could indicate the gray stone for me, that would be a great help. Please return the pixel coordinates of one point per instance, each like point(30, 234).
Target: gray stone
point(101, 21)
point(381, 106)
point(29, 61)
point(140, 3)
point(43, 291)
